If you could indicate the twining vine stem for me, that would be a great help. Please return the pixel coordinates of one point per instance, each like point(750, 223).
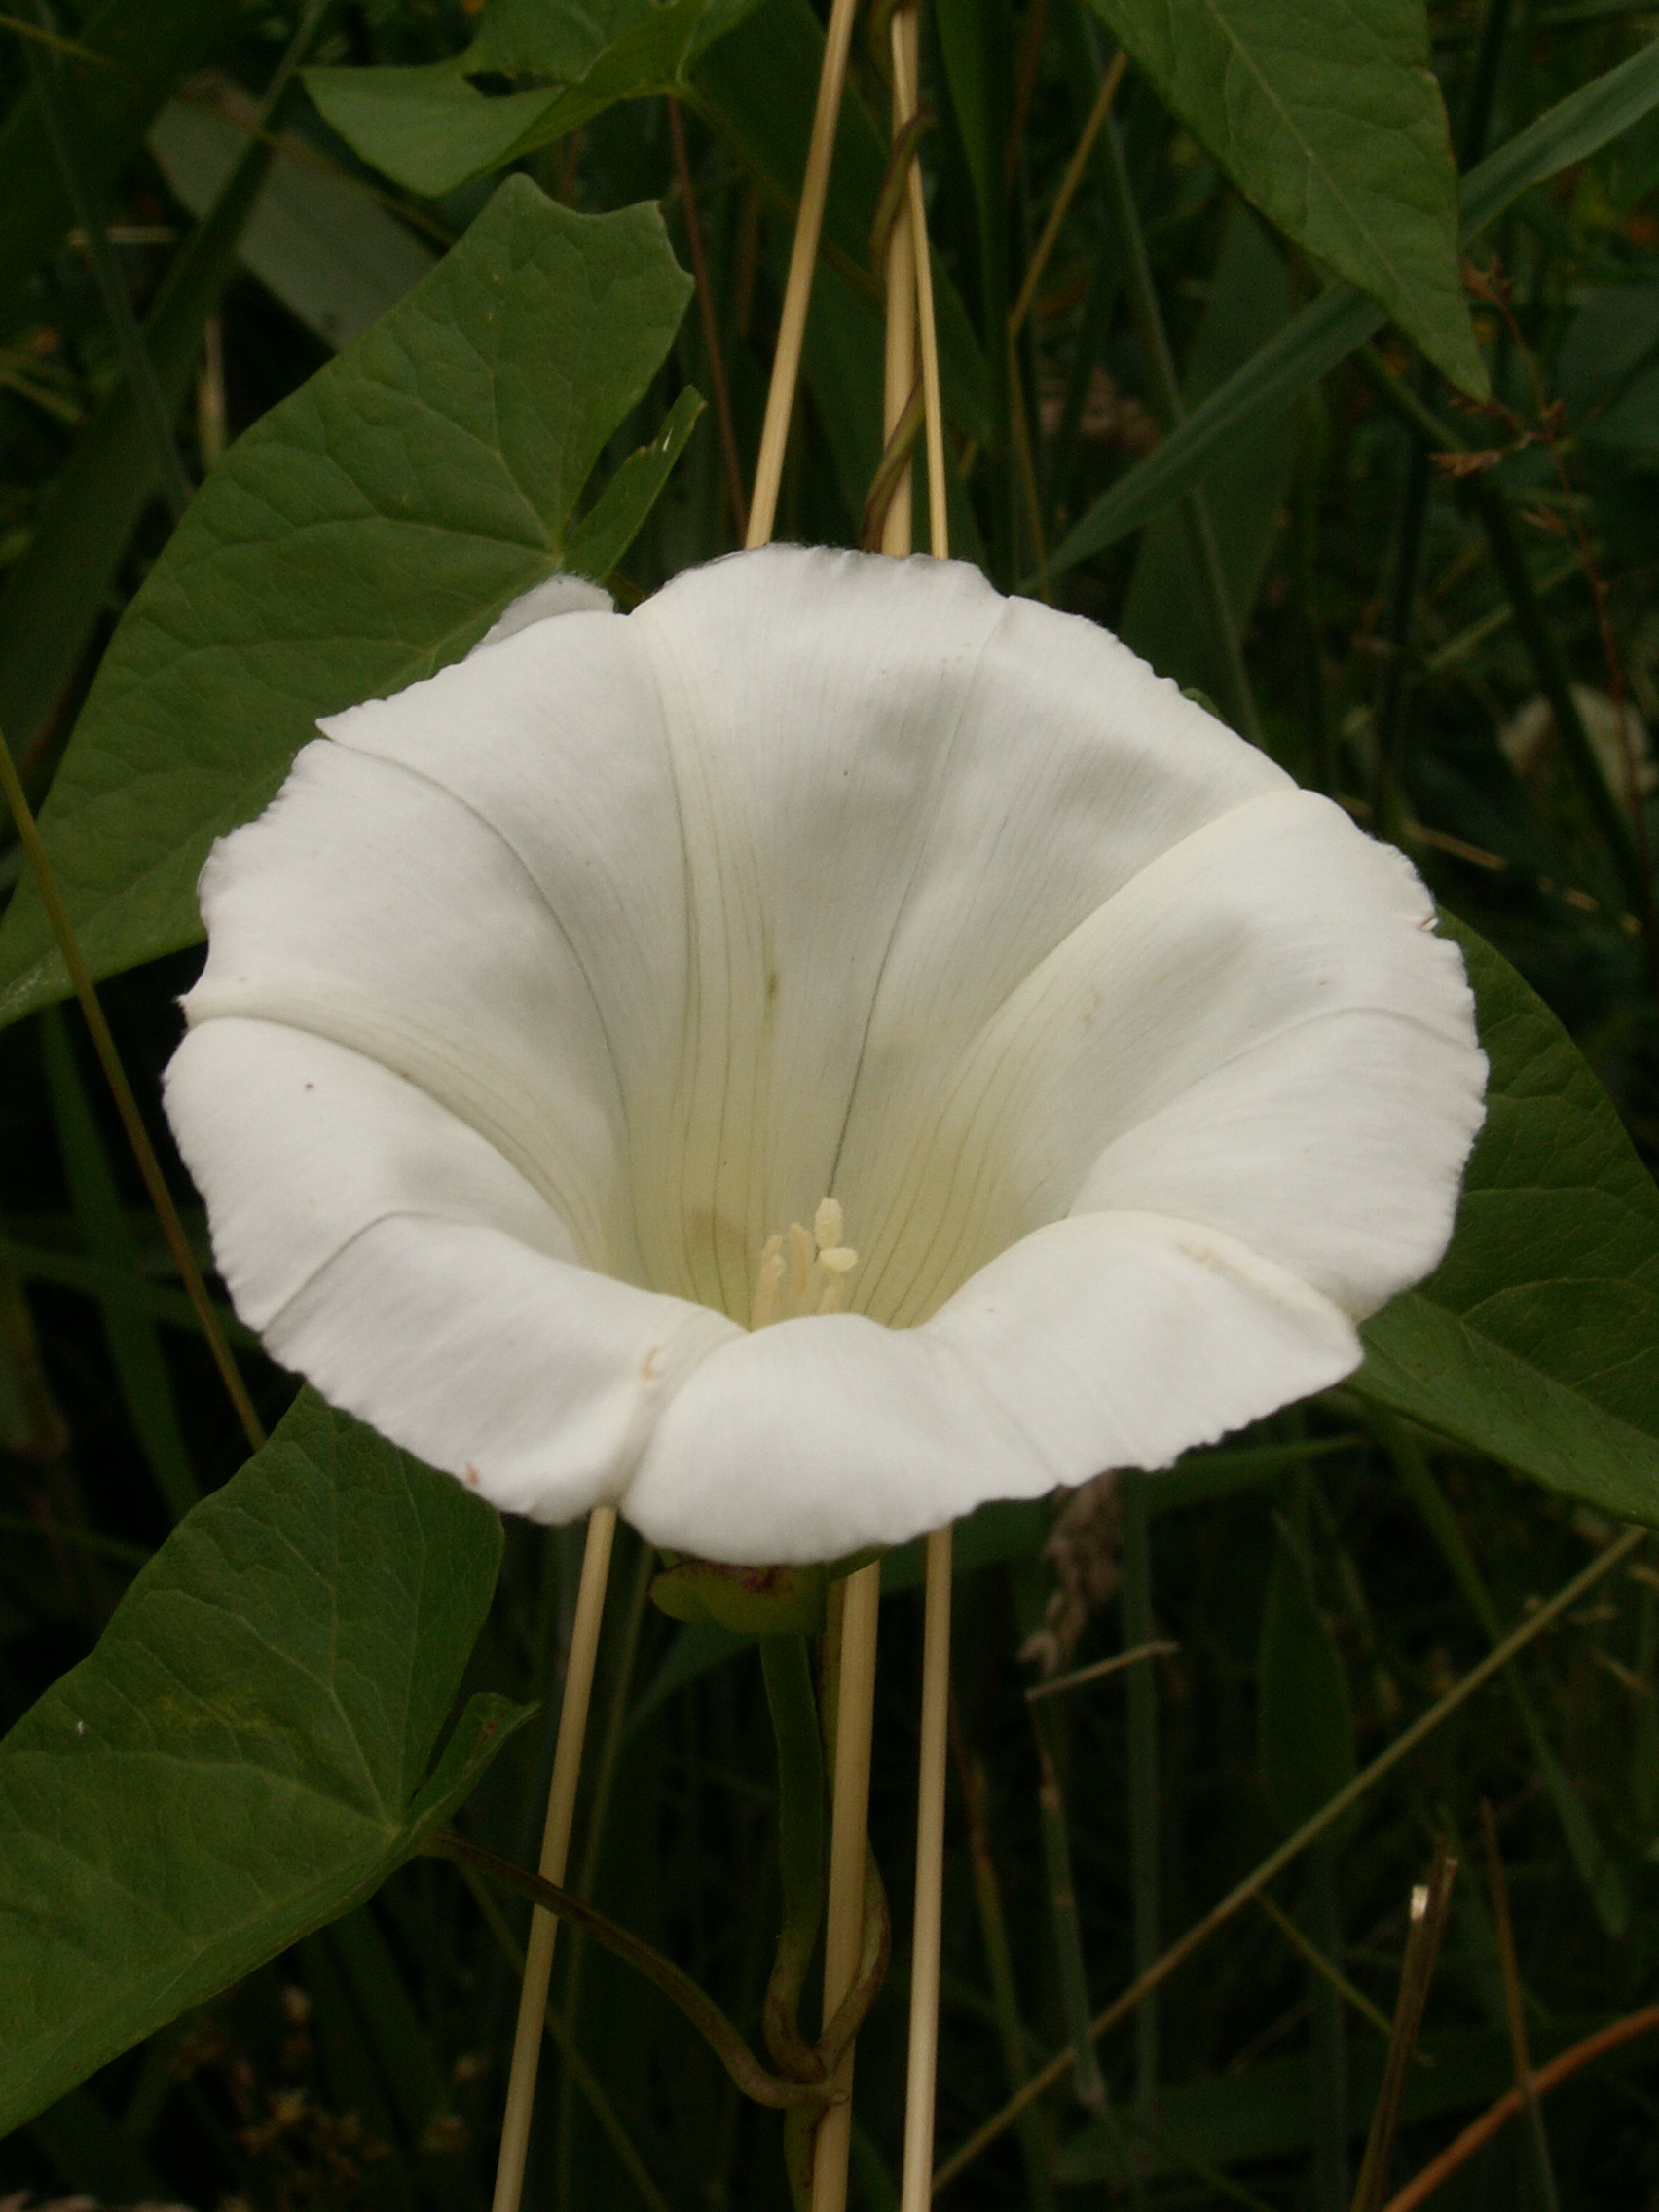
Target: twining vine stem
point(797, 290)
point(922, 2067)
point(554, 1902)
point(555, 1852)
point(845, 1916)
point(917, 2184)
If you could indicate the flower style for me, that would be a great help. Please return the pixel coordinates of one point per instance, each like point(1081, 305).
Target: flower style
point(551, 1002)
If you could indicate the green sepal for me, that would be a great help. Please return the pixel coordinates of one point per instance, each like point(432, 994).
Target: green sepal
point(751, 1600)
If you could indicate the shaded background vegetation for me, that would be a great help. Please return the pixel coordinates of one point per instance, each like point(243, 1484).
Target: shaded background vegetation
point(1328, 1576)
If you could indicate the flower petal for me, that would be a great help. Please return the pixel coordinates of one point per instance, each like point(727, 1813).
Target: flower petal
point(552, 742)
point(1260, 1032)
point(899, 793)
point(554, 594)
point(369, 906)
point(801, 822)
point(1109, 1340)
point(395, 1258)
point(1343, 1084)
point(612, 950)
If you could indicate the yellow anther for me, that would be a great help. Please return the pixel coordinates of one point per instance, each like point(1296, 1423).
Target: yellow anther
point(827, 1223)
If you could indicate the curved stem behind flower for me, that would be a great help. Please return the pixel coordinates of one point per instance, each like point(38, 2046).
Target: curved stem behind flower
point(555, 1851)
point(599, 1807)
point(922, 2071)
point(891, 479)
point(874, 1950)
point(927, 1928)
point(843, 1934)
point(802, 2125)
point(698, 2007)
point(933, 404)
point(793, 1710)
point(598, 2104)
point(1144, 1852)
point(797, 291)
point(901, 365)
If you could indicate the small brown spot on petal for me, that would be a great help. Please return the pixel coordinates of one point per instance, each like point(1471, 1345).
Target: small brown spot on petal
point(472, 1474)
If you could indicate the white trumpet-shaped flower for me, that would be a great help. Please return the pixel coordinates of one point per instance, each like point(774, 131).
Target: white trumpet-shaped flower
point(831, 944)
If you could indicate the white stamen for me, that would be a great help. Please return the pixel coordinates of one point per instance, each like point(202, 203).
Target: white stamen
point(804, 1272)
point(768, 1282)
point(800, 1267)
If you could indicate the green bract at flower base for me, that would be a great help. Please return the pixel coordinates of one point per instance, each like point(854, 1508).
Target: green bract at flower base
point(1118, 1077)
point(751, 1600)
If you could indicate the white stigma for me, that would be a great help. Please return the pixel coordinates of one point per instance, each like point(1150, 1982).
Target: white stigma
point(805, 1271)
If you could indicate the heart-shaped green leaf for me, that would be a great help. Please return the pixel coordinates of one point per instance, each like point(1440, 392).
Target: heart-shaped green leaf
point(434, 128)
point(751, 69)
point(245, 1756)
point(361, 535)
point(1537, 1339)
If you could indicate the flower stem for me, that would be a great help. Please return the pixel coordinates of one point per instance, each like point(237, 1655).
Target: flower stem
point(555, 1851)
point(917, 323)
point(793, 1711)
point(900, 364)
point(797, 290)
point(1144, 1822)
point(925, 1939)
point(593, 1843)
point(698, 2007)
point(603, 2110)
point(844, 1922)
point(905, 96)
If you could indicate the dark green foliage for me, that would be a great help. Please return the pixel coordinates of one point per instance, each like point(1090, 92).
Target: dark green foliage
point(242, 1757)
point(234, 1974)
point(1539, 1337)
point(1305, 1718)
point(1332, 125)
point(431, 474)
